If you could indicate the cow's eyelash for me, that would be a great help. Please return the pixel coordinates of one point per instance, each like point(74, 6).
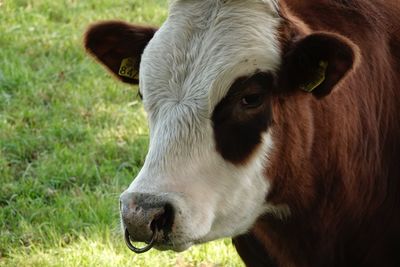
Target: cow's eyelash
point(139, 95)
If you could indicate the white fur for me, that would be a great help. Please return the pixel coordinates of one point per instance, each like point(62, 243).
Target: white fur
point(185, 71)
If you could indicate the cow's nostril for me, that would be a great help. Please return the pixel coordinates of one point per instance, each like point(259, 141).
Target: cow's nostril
point(164, 220)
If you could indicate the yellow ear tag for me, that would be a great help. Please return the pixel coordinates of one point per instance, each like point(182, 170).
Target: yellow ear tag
point(318, 79)
point(127, 68)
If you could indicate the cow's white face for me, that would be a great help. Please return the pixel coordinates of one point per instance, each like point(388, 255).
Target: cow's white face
point(187, 69)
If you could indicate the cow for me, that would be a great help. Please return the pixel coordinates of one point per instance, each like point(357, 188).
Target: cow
point(274, 122)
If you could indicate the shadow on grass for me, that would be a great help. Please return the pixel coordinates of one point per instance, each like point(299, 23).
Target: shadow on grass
point(108, 249)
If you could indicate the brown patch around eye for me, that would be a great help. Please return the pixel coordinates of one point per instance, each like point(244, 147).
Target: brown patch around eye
point(242, 116)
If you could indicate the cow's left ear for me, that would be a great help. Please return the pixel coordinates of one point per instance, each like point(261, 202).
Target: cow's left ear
point(119, 46)
point(316, 63)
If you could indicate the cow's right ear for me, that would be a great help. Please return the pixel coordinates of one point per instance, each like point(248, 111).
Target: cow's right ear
point(317, 63)
point(119, 46)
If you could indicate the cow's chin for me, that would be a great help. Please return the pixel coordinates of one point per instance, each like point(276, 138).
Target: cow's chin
point(183, 242)
point(174, 247)
point(180, 246)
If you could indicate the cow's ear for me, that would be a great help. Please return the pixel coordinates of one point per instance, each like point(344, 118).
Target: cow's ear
point(316, 63)
point(119, 47)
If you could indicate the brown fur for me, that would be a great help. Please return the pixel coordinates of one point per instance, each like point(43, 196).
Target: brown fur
point(237, 127)
point(336, 160)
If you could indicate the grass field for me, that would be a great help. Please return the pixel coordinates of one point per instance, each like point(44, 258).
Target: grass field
point(71, 139)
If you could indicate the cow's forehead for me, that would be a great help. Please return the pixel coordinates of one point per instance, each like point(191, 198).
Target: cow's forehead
point(204, 46)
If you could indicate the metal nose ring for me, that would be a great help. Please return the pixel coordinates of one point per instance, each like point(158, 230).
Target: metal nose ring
point(139, 250)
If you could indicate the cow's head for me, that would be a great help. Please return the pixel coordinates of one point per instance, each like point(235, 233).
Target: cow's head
point(209, 78)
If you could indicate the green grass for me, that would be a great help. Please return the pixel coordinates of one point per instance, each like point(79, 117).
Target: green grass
point(71, 139)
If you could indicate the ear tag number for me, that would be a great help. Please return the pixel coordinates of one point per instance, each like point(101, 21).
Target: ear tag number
point(318, 79)
point(127, 68)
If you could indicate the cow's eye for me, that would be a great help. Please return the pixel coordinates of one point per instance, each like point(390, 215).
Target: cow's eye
point(252, 101)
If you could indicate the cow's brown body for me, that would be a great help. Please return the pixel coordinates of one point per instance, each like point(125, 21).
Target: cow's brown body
point(338, 163)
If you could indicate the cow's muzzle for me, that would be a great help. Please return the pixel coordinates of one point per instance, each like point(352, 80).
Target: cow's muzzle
point(146, 218)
